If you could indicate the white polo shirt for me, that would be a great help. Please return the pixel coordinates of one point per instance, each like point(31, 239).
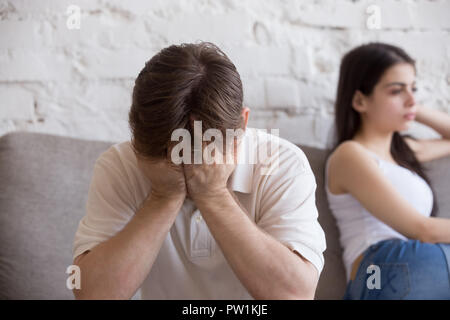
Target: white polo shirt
point(279, 196)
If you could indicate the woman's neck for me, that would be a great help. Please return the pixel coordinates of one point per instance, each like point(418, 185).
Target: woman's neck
point(375, 141)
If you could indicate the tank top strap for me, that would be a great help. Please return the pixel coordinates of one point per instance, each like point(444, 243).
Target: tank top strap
point(377, 158)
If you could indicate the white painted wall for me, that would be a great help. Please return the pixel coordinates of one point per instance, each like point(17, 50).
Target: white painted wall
point(78, 82)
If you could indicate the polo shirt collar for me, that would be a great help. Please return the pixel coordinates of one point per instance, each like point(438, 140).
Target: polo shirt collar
point(241, 179)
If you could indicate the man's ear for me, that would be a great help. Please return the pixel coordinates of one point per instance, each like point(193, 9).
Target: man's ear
point(359, 102)
point(244, 114)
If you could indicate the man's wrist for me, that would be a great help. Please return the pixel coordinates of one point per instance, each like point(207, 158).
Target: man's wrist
point(171, 200)
point(212, 196)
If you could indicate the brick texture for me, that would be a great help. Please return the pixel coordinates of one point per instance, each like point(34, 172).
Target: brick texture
point(78, 82)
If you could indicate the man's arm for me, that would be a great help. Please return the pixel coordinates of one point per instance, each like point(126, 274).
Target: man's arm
point(116, 268)
point(266, 267)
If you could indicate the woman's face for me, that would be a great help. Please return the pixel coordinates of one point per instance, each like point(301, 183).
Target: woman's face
point(391, 106)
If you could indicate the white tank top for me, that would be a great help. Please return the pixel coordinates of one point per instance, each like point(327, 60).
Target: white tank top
point(358, 228)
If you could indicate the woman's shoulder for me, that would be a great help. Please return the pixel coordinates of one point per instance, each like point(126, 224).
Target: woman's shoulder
point(349, 150)
point(350, 156)
point(341, 163)
point(351, 164)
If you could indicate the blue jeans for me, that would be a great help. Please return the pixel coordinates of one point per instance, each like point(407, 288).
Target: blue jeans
point(397, 269)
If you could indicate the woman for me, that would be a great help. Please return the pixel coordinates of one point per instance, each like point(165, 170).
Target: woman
point(394, 247)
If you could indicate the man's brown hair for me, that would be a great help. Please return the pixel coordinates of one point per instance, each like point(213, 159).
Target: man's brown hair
point(181, 83)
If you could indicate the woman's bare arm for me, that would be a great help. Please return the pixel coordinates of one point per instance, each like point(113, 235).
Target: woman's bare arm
point(430, 149)
point(355, 172)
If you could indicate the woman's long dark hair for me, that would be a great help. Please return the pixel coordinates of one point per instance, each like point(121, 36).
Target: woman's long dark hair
point(361, 69)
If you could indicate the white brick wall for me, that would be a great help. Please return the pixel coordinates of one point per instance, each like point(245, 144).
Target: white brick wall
point(78, 82)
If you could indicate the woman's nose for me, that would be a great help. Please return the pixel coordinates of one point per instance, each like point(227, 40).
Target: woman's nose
point(411, 100)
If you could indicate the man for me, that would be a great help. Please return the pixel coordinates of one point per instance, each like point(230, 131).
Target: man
point(239, 229)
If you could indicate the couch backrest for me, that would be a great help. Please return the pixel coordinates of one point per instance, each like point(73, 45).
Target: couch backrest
point(44, 181)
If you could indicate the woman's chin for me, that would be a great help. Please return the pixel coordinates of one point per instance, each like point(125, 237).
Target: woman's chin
point(405, 126)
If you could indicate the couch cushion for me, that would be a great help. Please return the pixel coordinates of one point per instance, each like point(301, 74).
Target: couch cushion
point(44, 181)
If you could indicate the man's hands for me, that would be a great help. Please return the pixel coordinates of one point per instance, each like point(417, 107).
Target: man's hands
point(167, 179)
point(173, 182)
point(205, 180)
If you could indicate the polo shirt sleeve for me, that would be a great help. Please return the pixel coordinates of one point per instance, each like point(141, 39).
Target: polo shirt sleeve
point(109, 205)
point(288, 212)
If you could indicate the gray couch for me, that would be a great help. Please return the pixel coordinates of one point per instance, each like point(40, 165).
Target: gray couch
point(44, 181)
